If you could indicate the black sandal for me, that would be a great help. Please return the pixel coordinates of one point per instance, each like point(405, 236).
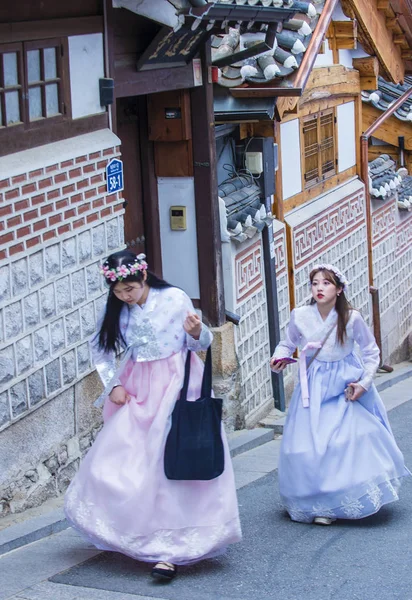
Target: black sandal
point(164, 570)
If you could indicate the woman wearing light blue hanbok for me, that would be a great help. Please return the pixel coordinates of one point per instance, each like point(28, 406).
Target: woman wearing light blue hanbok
point(339, 459)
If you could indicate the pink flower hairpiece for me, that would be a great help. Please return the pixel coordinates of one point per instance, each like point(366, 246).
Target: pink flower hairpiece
point(120, 273)
point(339, 276)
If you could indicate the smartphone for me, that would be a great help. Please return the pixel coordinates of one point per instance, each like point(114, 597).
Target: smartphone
point(287, 360)
point(348, 392)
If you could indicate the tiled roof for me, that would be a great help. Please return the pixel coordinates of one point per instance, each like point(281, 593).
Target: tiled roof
point(388, 93)
point(276, 63)
point(405, 193)
point(245, 213)
point(385, 180)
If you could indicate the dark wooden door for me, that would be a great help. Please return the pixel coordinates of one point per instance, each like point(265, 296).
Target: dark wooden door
point(128, 131)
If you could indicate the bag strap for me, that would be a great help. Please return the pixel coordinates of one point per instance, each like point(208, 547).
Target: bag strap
point(183, 391)
point(206, 380)
point(207, 375)
point(323, 343)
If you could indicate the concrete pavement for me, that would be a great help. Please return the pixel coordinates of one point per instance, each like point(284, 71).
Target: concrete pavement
point(276, 559)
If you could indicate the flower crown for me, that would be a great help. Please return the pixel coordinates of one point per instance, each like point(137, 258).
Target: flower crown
point(120, 273)
point(339, 276)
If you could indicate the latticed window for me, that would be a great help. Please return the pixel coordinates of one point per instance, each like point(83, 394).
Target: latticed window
point(31, 83)
point(319, 144)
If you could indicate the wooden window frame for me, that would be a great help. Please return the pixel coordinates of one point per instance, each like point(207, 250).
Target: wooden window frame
point(321, 176)
point(22, 48)
point(30, 134)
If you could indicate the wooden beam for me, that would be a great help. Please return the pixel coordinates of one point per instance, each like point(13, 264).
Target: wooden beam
point(286, 105)
point(278, 198)
point(49, 28)
point(369, 65)
point(324, 83)
point(383, 5)
point(368, 68)
point(331, 81)
point(209, 243)
point(345, 34)
point(373, 24)
point(390, 130)
point(316, 106)
point(376, 151)
point(149, 190)
point(151, 82)
point(358, 133)
point(392, 23)
point(399, 39)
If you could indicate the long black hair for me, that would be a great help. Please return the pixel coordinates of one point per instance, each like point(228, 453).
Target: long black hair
point(343, 306)
point(110, 337)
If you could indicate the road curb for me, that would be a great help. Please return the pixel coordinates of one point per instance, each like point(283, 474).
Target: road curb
point(32, 530)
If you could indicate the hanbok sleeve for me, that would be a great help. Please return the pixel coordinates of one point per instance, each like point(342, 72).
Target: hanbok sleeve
point(205, 338)
point(286, 347)
point(369, 350)
point(105, 362)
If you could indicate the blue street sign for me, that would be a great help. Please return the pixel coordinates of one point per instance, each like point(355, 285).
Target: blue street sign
point(114, 176)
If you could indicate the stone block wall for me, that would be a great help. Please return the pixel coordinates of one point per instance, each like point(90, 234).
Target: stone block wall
point(392, 260)
point(56, 224)
point(252, 334)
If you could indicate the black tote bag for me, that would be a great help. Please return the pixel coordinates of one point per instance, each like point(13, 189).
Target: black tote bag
point(194, 447)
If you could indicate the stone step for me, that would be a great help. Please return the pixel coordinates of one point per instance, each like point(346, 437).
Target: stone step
point(247, 439)
point(31, 530)
point(275, 420)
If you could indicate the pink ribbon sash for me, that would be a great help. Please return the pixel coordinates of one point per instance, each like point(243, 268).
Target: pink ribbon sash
point(303, 371)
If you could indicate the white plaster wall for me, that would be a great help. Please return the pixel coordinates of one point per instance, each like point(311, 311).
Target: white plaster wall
point(346, 136)
point(345, 58)
point(338, 14)
point(179, 248)
point(325, 59)
point(86, 68)
point(291, 167)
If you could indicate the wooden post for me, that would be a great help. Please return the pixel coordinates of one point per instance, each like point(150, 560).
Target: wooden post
point(273, 309)
point(206, 198)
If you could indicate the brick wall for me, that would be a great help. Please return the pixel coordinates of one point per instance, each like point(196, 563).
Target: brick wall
point(392, 260)
point(56, 224)
point(332, 229)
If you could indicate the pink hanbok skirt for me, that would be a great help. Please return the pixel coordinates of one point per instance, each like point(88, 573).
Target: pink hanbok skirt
point(121, 500)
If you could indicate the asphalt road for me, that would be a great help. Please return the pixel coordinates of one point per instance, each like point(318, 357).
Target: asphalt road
point(351, 560)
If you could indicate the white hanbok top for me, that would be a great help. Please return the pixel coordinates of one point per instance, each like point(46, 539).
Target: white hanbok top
point(151, 332)
point(306, 327)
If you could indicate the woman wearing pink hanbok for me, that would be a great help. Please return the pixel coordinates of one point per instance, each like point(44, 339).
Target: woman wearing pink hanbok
point(121, 499)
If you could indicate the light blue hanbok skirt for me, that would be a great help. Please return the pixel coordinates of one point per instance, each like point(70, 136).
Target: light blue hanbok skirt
point(338, 459)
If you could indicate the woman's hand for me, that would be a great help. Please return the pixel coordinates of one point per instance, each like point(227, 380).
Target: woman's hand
point(277, 365)
point(119, 396)
point(193, 325)
point(357, 392)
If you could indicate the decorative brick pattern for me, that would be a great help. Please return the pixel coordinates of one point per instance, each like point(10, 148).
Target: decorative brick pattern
point(314, 236)
point(252, 335)
point(384, 222)
point(55, 235)
point(282, 279)
point(336, 235)
point(248, 271)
